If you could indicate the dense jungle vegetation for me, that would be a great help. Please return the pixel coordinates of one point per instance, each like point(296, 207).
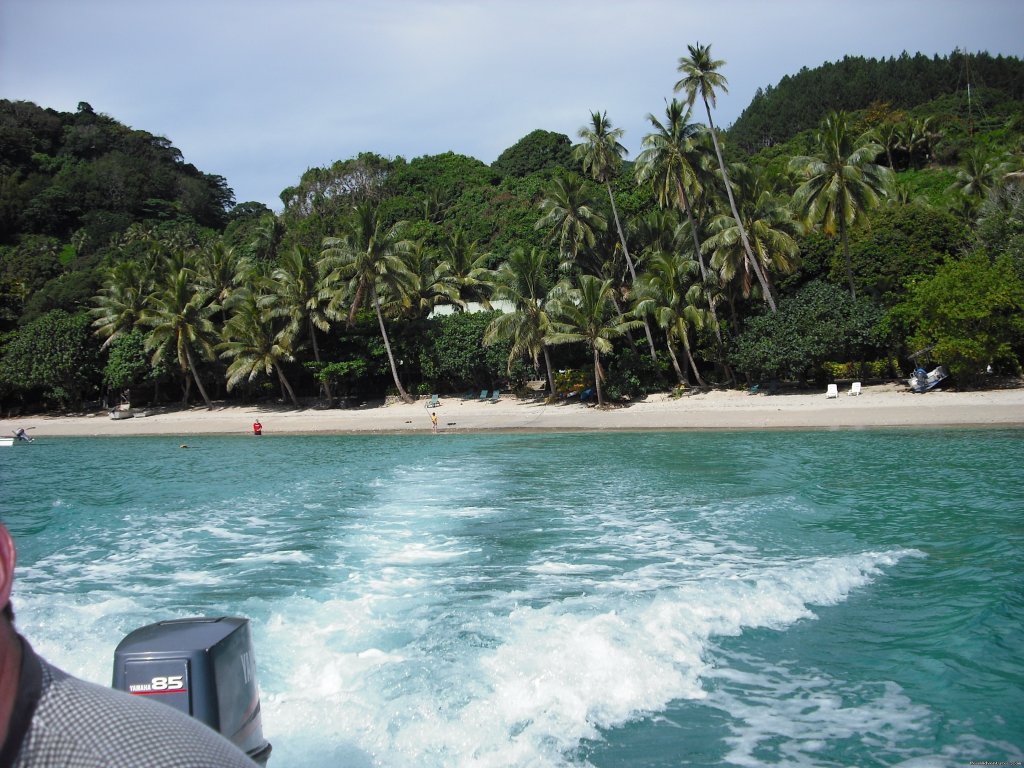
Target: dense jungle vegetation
point(853, 215)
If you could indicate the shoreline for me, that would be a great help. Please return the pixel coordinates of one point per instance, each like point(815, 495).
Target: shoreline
point(878, 406)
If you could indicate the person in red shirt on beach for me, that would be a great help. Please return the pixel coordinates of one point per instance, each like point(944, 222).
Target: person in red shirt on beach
point(257, 428)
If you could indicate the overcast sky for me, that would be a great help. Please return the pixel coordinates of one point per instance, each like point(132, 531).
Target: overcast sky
point(260, 90)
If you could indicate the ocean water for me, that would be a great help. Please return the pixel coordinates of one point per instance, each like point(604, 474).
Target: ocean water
point(839, 598)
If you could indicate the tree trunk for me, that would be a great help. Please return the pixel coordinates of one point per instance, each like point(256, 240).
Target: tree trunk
point(680, 373)
point(285, 385)
point(685, 202)
point(551, 373)
point(387, 346)
point(736, 215)
point(316, 356)
point(689, 357)
point(629, 263)
point(195, 375)
point(597, 378)
point(846, 255)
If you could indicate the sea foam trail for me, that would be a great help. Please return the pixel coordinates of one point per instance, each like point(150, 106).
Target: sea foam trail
point(527, 686)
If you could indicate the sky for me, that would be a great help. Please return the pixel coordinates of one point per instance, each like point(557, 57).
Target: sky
point(258, 91)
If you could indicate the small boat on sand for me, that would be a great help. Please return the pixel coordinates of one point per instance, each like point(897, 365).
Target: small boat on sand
point(923, 381)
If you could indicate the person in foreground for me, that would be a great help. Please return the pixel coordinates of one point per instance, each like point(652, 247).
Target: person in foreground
point(49, 718)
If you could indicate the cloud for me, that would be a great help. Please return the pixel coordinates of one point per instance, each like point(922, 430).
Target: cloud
point(260, 90)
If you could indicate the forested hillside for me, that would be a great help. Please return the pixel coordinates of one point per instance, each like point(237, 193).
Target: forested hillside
point(831, 232)
point(797, 102)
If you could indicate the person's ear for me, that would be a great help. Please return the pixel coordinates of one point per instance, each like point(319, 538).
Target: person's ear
point(7, 558)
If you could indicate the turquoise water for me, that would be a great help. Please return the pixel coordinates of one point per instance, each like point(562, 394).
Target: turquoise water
point(842, 598)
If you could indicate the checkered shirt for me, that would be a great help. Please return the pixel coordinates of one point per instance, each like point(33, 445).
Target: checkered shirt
point(81, 725)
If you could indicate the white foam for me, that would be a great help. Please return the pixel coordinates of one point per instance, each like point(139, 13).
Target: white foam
point(538, 681)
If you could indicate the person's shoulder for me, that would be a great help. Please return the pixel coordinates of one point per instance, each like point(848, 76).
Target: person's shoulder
point(82, 723)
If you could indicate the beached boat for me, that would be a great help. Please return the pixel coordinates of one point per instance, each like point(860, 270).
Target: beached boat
point(6, 442)
point(122, 413)
point(923, 381)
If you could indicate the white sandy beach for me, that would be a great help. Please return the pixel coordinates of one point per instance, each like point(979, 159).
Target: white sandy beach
point(883, 405)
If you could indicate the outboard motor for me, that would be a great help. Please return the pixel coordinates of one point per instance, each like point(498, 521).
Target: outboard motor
point(203, 666)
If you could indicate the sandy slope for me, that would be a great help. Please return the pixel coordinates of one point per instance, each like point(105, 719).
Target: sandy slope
point(877, 406)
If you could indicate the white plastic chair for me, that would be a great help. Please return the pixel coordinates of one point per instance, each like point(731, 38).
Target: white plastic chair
point(833, 391)
point(855, 388)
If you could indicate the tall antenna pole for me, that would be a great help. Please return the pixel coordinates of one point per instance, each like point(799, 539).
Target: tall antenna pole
point(970, 113)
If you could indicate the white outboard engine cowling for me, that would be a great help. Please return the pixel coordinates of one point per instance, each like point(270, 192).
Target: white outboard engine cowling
point(203, 666)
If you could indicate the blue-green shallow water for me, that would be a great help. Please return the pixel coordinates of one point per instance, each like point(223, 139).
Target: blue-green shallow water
point(843, 598)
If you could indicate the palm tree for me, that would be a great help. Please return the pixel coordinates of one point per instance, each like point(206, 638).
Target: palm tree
point(888, 136)
point(251, 344)
point(121, 301)
point(570, 217)
point(430, 280)
point(601, 155)
point(976, 177)
point(523, 282)
point(466, 269)
point(701, 77)
point(179, 318)
point(771, 228)
point(369, 257)
point(663, 292)
point(587, 314)
point(842, 181)
point(299, 289)
point(666, 162)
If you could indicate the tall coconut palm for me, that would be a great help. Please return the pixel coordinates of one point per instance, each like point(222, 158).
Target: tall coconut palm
point(252, 345)
point(299, 290)
point(570, 217)
point(666, 161)
point(586, 314)
point(179, 318)
point(701, 78)
point(600, 154)
point(841, 181)
point(523, 281)
point(368, 257)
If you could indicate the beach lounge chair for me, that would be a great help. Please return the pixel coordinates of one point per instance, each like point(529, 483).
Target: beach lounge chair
point(483, 395)
point(495, 396)
point(855, 388)
point(433, 402)
point(833, 391)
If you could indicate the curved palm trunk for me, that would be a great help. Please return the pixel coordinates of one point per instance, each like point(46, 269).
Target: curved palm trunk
point(357, 302)
point(689, 356)
point(551, 372)
point(680, 373)
point(597, 378)
point(685, 203)
point(846, 254)
point(629, 263)
point(387, 346)
point(195, 375)
point(736, 215)
point(316, 356)
point(285, 385)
